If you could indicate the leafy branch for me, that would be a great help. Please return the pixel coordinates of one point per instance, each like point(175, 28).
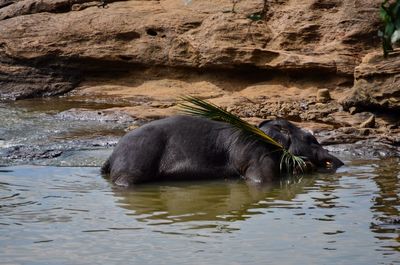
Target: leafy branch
point(260, 15)
point(390, 15)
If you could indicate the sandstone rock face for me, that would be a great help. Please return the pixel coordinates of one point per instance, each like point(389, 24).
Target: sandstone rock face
point(49, 46)
point(377, 83)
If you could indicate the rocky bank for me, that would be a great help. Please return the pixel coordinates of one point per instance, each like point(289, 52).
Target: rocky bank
point(311, 61)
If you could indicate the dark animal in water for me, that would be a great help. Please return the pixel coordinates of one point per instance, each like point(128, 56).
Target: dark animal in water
point(188, 148)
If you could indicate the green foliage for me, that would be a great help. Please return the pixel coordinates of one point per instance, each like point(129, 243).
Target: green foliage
point(390, 15)
point(259, 15)
point(255, 16)
point(291, 163)
point(199, 107)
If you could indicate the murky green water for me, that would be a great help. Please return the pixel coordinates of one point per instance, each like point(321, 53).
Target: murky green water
point(56, 215)
point(72, 215)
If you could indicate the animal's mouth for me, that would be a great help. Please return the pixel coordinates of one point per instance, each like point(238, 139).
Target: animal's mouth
point(323, 166)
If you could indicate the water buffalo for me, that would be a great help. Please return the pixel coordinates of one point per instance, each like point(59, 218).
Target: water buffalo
point(187, 148)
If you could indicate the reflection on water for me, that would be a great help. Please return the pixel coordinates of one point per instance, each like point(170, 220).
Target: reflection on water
point(386, 205)
point(52, 215)
point(228, 200)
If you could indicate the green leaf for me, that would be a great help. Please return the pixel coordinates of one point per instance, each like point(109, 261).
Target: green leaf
point(206, 109)
point(390, 14)
point(255, 16)
point(389, 29)
point(396, 8)
point(397, 22)
point(384, 14)
point(387, 47)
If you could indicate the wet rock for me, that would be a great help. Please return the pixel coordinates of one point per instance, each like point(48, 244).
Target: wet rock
point(95, 115)
point(364, 149)
point(369, 123)
point(361, 143)
point(58, 152)
point(323, 95)
point(29, 153)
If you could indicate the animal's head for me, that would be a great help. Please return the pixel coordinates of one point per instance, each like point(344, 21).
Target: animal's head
point(301, 143)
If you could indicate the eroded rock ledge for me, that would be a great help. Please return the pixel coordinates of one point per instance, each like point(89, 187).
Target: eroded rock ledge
point(377, 84)
point(46, 46)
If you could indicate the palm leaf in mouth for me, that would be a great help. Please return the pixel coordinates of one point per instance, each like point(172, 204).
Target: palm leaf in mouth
point(201, 108)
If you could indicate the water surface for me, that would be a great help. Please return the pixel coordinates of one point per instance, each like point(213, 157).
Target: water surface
point(58, 131)
point(54, 214)
point(69, 215)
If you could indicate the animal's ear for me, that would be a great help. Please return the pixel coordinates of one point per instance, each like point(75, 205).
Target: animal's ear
point(276, 132)
point(272, 126)
point(263, 123)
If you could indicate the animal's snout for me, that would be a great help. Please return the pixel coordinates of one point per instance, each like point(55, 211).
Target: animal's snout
point(330, 163)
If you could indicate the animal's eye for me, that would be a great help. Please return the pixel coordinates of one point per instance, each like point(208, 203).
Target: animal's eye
point(285, 131)
point(328, 164)
point(282, 129)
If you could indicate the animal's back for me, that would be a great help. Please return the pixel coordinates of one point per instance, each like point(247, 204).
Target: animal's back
point(171, 148)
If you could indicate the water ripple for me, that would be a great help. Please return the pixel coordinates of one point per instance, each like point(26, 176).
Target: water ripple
point(354, 214)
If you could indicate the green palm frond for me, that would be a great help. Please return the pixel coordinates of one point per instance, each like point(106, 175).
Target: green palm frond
point(291, 163)
point(208, 110)
point(198, 107)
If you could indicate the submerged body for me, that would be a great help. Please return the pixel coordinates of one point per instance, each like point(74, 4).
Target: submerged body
point(187, 148)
